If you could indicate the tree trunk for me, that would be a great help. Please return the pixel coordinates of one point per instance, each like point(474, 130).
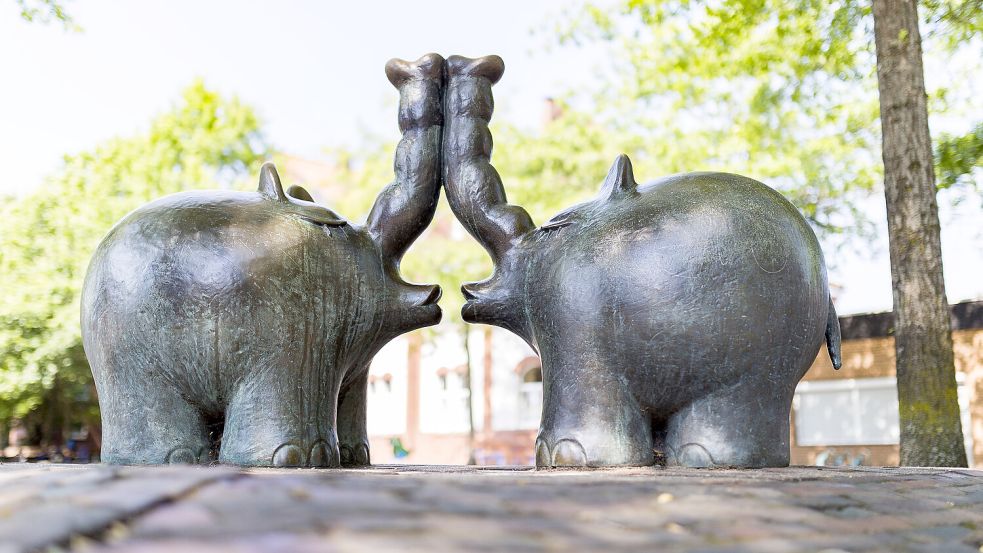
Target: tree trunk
point(931, 433)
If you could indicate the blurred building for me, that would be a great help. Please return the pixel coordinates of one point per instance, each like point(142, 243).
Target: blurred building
point(419, 399)
point(850, 416)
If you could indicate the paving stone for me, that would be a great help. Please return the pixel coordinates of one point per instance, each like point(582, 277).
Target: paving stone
point(56, 503)
point(438, 509)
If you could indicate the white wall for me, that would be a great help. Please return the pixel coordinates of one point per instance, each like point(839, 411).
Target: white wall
point(509, 351)
point(387, 404)
point(443, 410)
point(858, 411)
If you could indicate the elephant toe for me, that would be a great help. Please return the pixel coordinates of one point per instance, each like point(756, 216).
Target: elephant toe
point(347, 456)
point(565, 453)
point(182, 456)
point(288, 455)
point(543, 457)
point(322, 456)
point(569, 453)
point(694, 456)
point(354, 455)
point(362, 454)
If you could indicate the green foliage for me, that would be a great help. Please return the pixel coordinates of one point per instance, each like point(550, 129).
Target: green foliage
point(562, 164)
point(777, 90)
point(46, 11)
point(954, 21)
point(47, 236)
point(784, 91)
point(958, 157)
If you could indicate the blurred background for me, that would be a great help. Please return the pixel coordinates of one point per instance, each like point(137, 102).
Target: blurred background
point(105, 106)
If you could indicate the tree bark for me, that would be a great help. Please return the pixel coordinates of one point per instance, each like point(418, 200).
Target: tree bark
point(931, 433)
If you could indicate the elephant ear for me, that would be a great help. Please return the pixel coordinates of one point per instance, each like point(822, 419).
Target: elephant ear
point(300, 193)
point(269, 183)
point(298, 202)
point(620, 182)
point(560, 220)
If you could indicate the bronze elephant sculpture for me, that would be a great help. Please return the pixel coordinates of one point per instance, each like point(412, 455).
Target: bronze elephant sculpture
point(673, 318)
point(239, 326)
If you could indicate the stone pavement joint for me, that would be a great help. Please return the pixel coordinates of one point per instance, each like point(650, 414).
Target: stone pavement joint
point(44, 506)
point(436, 509)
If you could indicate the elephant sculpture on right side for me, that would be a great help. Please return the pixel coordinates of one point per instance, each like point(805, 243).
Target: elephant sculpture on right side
point(673, 318)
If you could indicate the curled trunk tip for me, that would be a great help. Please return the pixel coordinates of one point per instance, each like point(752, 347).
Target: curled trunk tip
point(490, 67)
point(428, 66)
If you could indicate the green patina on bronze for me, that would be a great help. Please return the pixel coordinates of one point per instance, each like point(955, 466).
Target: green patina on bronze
point(673, 319)
point(239, 326)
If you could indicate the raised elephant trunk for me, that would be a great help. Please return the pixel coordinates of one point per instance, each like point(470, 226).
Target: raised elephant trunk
point(406, 206)
point(476, 195)
point(474, 189)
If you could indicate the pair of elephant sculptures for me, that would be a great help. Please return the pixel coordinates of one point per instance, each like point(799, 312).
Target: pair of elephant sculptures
point(673, 319)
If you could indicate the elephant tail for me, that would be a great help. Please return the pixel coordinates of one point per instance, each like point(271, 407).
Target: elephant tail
point(833, 336)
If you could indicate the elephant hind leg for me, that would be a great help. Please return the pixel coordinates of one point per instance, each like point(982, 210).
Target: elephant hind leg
point(353, 437)
point(150, 425)
point(272, 422)
point(590, 418)
point(745, 425)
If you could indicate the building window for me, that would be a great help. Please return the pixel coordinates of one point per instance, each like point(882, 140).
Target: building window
point(380, 384)
point(860, 411)
point(449, 412)
point(388, 410)
point(531, 395)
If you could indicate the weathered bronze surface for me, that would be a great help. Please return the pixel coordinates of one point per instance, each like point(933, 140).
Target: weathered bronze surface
point(674, 317)
point(240, 325)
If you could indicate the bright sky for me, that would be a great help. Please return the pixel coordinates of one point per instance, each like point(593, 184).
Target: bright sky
point(314, 71)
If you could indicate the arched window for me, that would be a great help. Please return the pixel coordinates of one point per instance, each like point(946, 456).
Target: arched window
point(530, 372)
point(451, 404)
point(533, 374)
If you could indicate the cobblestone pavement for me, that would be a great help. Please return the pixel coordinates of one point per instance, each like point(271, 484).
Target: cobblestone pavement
point(434, 509)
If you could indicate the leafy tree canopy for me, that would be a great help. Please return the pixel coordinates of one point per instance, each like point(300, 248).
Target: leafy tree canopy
point(780, 90)
point(47, 236)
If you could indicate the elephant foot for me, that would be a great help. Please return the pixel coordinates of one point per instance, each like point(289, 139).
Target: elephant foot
point(355, 455)
point(578, 453)
point(565, 453)
point(745, 426)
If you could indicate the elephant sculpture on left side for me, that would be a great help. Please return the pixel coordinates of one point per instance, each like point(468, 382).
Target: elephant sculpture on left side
point(240, 325)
